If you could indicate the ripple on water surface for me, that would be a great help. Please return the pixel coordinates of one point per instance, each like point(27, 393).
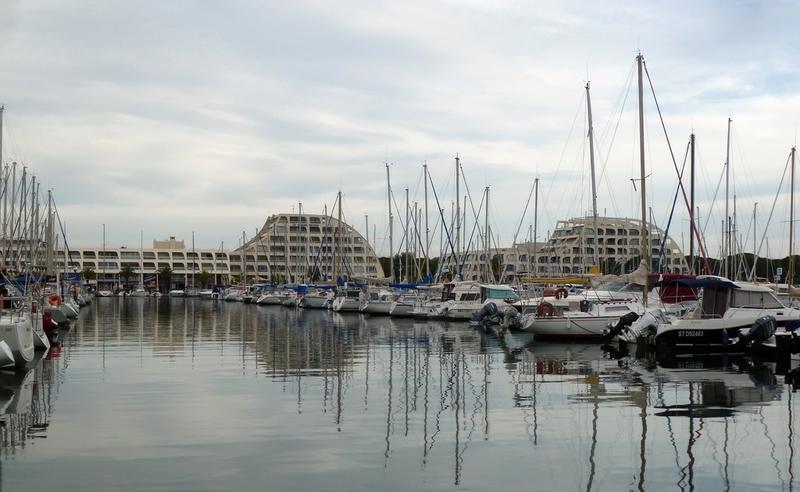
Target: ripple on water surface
point(188, 394)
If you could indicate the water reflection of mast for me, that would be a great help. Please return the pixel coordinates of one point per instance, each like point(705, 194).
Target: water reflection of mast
point(389, 405)
point(642, 442)
point(425, 417)
point(791, 440)
point(457, 399)
point(592, 465)
point(337, 352)
point(405, 350)
point(690, 464)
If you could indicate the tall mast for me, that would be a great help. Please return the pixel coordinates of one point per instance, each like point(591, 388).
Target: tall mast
point(594, 186)
point(5, 178)
point(790, 276)
point(104, 263)
point(427, 229)
point(391, 218)
point(141, 258)
point(458, 208)
point(50, 250)
point(33, 220)
point(727, 239)
point(408, 232)
point(691, 205)
point(487, 240)
point(535, 220)
point(366, 226)
point(339, 233)
point(645, 243)
point(2, 110)
point(734, 244)
point(194, 260)
point(755, 246)
point(244, 261)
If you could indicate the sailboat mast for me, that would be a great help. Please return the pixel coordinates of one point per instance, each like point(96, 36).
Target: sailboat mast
point(391, 218)
point(408, 232)
point(594, 185)
point(755, 246)
point(535, 220)
point(50, 250)
point(790, 275)
point(488, 244)
point(691, 205)
point(645, 244)
point(339, 234)
point(427, 229)
point(458, 210)
point(141, 258)
point(727, 239)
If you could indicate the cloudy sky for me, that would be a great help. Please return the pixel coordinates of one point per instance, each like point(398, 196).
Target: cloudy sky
point(169, 117)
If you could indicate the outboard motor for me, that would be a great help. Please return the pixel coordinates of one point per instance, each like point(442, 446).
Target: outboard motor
point(762, 330)
point(486, 314)
point(623, 322)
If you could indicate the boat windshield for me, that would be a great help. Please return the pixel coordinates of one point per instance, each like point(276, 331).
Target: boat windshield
point(501, 294)
point(757, 300)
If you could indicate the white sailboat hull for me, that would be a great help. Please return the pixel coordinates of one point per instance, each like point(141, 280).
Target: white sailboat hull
point(6, 356)
point(17, 332)
point(377, 307)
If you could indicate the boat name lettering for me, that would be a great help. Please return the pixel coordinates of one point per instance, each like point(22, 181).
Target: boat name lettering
point(689, 333)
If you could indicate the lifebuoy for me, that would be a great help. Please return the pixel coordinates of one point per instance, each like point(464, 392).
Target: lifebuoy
point(545, 309)
point(562, 293)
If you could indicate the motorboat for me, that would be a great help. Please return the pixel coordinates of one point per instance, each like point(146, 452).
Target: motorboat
point(317, 299)
point(104, 293)
point(348, 298)
point(470, 298)
point(139, 292)
point(731, 316)
point(177, 293)
point(377, 301)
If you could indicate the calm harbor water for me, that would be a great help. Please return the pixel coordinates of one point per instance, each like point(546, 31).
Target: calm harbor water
point(176, 394)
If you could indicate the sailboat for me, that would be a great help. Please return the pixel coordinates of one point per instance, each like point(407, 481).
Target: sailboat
point(587, 315)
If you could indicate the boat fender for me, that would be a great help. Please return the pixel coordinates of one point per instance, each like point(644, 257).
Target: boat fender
point(562, 293)
point(55, 300)
point(545, 309)
point(34, 306)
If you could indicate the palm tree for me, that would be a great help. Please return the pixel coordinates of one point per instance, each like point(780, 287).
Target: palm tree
point(165, 277)
point(204, 278)
point(88, 274)
point(125, 273)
